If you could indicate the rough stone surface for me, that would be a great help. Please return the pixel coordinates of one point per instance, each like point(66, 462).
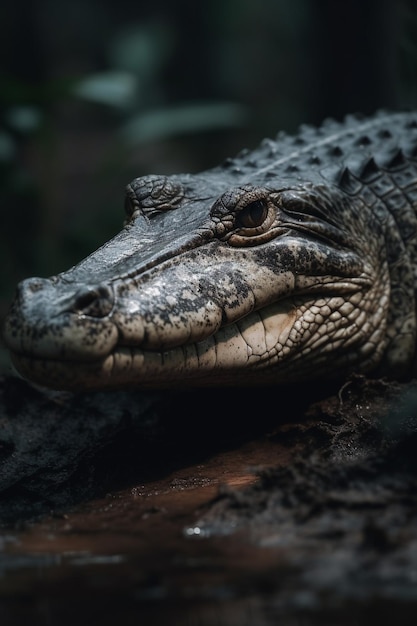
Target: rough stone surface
point(51, 443)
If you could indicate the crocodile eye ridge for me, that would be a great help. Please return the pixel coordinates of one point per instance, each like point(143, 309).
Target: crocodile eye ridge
point(153, 194)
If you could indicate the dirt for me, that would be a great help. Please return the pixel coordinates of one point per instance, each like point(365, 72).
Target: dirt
point(290, 506)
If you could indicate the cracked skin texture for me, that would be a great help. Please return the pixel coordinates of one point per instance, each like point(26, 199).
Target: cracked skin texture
point(295, 261)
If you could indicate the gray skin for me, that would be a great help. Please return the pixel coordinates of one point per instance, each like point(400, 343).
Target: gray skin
point(295, 261)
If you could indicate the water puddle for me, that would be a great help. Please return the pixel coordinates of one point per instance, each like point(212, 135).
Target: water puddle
point(130, 552)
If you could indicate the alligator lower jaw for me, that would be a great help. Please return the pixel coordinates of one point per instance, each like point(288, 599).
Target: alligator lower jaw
point(132, 368)
point(110, 374)
point(235, 353)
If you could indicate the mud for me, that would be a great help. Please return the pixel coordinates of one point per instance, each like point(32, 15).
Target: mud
point(240, 507)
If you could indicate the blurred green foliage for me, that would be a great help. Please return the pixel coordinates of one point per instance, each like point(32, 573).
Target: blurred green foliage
point(136, 58)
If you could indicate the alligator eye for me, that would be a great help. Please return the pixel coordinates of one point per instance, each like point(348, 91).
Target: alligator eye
point(253, 215)
point(246, 216)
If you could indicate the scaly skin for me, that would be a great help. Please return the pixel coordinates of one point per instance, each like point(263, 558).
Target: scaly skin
point(292, 262)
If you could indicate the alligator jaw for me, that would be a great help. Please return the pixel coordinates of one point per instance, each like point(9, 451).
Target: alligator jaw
point(214, 315)
point(234, 350)
point(281, 342)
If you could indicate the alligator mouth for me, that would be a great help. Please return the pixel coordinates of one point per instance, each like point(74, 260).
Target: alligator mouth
point(243, 346)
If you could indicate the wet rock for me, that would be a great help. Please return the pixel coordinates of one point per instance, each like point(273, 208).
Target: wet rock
point(345, 510)
point(57, 448)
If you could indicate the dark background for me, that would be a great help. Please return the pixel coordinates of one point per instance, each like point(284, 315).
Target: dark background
point(94, 93)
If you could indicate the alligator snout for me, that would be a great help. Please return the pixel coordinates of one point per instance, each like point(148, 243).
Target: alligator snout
point(52, 318)
point(95, 301)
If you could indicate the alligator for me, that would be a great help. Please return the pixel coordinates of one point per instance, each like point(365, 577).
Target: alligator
point(292, 262)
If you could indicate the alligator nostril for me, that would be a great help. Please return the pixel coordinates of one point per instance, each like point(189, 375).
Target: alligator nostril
point(94, 301)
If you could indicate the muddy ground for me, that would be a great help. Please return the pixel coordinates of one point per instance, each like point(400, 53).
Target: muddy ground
point(294, 506)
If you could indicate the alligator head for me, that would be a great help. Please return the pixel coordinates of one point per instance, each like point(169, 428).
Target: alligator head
point(222, 278)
